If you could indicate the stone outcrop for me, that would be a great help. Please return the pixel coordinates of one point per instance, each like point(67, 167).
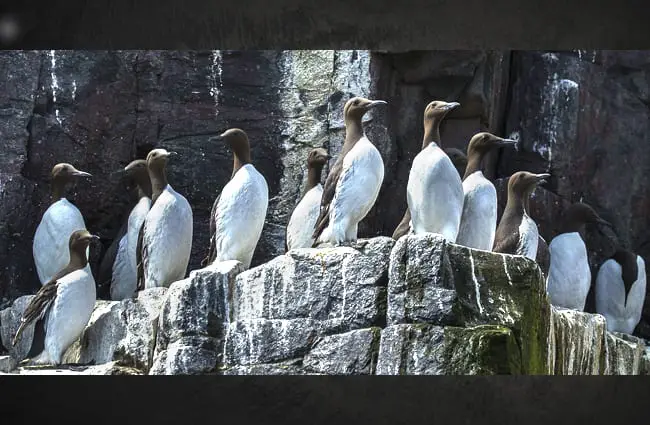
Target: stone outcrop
point(416, 306)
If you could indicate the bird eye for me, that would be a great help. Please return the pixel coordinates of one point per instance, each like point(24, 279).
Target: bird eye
point(356, 102)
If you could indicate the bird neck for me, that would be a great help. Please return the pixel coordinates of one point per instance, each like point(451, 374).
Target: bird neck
point(431, 132)
point(78, 258)
point(144, 186)
point(353, 129)
point(474, 160)
point(516, 203)
point(158, 178)
point(314, 175)
point(58, 188)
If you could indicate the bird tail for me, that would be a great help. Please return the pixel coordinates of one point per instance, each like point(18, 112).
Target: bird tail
point(19, 332)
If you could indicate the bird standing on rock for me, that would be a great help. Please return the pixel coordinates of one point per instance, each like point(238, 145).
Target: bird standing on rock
point(354, 181)
point(165, 239)
point(432, 135)
point(238, 213)
point(60, 220)
point(303, 218)
point(620, 290)
point(62, 307)
point(569, 276)
point(119, 265)
point(517, 233)
point(479, 219)
point(434, 191)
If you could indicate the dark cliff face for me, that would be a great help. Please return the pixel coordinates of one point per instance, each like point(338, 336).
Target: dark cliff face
point(581, 115)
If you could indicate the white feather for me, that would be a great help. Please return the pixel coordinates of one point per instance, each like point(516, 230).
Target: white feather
point(124, 278)
point(478, 222)
point(528, 237)
point(240, 215)
point(569, 276)
point(356, 192)
point(434, 193)
point(303, 219)
point(50, 247)
point(610, 296)
point(168, 236)
point(68, 315)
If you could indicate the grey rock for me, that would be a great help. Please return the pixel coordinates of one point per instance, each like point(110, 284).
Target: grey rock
point(7, 364)
point(577, 343)
point(10, 321)
point(350, 353)
point(191, 324)
point(409, 349)
point(343, 287)
point(189, 355)
point(255, 341)
point(111, 368)
point(123, 331)
point(289, 367)
point(623, 354)
point(645, 370)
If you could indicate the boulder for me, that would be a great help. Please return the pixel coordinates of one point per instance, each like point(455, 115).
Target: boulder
point(623, 354)
point(111, 368)
point(9, 323)
point(576, 343)
point(122, 331)
point(435, 282)
point(7, 364)
point(350, 353)
point(419, 349)
point(192, 321)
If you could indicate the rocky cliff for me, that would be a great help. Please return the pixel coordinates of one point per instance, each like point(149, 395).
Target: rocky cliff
point(412, 307)
point(583, 115)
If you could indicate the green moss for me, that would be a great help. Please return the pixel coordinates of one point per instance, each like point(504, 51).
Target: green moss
point(481, 350)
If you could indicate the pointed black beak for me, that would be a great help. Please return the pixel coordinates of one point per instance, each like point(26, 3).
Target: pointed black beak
point(507, 143)
point(81, 174)
point(376, 103)
point(218, 138)
point(605, 223)
point(172, 153)
point(451, 106)
point(542, 178)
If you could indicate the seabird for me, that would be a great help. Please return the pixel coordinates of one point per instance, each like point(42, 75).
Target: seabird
point(479, 219)
point(303, 218)
point(353, 183)
point(517, 233)
point(165, 239)
point(50, 247)
point(434, 191)
point(620, 290)
point(569, 276)
point(238, 213)
point(62, 307)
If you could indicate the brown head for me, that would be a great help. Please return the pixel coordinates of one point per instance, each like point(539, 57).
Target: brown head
point(62, 174)
point(458, 158)
point(316, 160)
point(137, 170)
point(355, 108)
point(78, 244)
point(434, 113)
point(237, 141)
point(479, 145)
point(156, 165)
point(579, 214)
point(522, 183)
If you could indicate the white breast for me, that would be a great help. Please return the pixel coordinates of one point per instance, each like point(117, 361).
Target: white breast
point(569, 276)
point(303, 219)
point(240, 215)
point(356, 192)
point(528, 237)
point(70, 312)
point(610, 296)
point(435, 194)
point(50, 247)
point(479, 219)
point(124, 279)
point(168, 235)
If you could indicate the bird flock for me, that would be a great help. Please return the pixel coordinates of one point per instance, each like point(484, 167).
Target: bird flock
point(447, 194)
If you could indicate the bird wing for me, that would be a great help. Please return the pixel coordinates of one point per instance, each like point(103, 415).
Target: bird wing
point(141, 256)
point(212, 253)
point(38, 306)
point(328, 194)
point(507, 245)
point(404, 226)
